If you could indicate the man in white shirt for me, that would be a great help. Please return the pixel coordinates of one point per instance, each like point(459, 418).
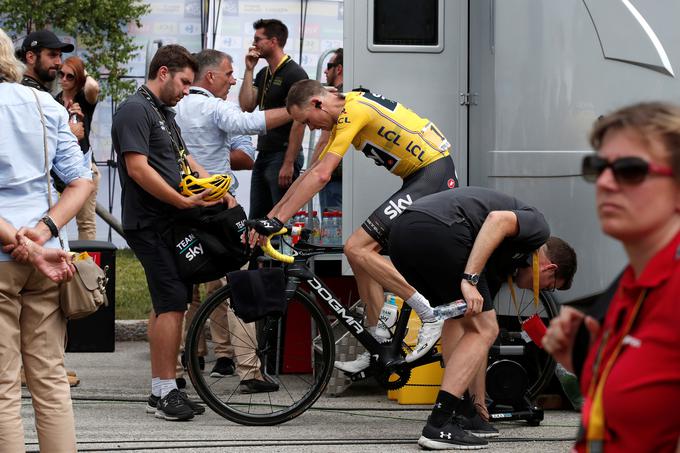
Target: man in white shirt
point(214, 129)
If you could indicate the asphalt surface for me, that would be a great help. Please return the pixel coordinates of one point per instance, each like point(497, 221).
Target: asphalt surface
point(110, 400)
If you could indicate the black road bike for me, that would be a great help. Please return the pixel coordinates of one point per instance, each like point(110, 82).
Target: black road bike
point(297, 350)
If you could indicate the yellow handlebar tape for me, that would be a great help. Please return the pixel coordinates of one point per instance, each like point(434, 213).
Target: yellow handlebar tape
point(271, 251)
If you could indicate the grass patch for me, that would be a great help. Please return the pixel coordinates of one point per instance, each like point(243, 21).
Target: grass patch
point(132, 293)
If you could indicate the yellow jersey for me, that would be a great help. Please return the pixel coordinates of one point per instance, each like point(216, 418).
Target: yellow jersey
point(392, 135)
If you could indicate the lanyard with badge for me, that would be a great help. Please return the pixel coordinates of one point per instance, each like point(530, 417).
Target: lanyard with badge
point(594, 427)
point(269, 80)
point(179, 148)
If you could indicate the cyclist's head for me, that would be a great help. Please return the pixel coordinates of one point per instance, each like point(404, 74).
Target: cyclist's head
point(308, 102)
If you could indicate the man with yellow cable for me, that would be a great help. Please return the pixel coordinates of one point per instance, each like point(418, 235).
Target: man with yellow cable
point(463, 244)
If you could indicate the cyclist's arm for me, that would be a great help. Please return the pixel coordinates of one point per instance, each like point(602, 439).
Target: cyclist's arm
point(305, 187)
point(320, 145)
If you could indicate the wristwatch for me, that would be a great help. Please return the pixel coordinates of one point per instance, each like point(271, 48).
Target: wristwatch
point(472, 278)
point(47, 220)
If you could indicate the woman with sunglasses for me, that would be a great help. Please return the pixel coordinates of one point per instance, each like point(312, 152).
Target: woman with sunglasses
point(79, 96)
point(630, 378)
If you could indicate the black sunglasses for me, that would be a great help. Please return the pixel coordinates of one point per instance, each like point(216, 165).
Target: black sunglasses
point(626, 170)
point(69, 77)
point(330, 66)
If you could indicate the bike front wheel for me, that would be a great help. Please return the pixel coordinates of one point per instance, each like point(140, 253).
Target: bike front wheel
point(295, 351)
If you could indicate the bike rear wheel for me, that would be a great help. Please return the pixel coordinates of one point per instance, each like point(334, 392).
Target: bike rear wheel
point(296, 351)
point(510, 343)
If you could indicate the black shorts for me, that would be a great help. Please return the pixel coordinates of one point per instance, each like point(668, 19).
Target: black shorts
point(168, 291)
point(440, 175)
point(432, 257)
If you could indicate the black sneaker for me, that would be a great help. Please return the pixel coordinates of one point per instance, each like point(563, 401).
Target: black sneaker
point(174, 407)
point(477, 426)
point(223, 367)
point(258, 386)
point(449, 437)
point(196, 407)
point(151, 404)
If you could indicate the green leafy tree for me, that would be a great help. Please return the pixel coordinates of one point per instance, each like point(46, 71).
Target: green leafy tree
point(100, 26)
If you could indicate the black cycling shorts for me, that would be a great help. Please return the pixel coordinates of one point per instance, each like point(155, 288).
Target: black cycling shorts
point(168, 291)
point(432, 257)
point(440, 175)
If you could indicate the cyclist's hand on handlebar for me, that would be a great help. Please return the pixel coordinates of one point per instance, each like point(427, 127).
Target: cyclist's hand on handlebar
point(471, 295)
point(264, 227)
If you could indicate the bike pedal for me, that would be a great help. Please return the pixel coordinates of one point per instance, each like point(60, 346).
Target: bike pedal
point(361, 375)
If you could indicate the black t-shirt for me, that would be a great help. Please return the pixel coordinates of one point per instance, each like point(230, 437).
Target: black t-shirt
point(88, 112)
point(271, 94)
point(471, 205)
point(137, 127)
point(33, 83)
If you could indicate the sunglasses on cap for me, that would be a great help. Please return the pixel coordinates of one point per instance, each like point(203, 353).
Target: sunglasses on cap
point(626, 170)
point(330, 66)
point(69, 77)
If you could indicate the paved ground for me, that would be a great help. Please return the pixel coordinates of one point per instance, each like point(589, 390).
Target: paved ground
point(109, 407)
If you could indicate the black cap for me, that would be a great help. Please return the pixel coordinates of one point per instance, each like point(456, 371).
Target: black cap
point(45, 39)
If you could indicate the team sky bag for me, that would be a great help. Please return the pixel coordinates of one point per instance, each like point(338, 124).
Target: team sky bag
point(206, 242)
point(258, 293)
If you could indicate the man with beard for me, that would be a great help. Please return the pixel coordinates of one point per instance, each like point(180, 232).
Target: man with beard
point(279, 160)
point(149, 147)
point(41, 53)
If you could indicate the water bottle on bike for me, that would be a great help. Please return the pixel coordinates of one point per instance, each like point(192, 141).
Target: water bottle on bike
point(452, 310)
point(388, 318)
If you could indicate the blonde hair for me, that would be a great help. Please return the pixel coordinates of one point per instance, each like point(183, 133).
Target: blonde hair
point(649, 121)
point(11, 69)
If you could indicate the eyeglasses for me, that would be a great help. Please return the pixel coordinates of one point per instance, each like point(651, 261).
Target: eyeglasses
point(260, 38)
point(69, 77)
point(330, 66)
point(626, 170)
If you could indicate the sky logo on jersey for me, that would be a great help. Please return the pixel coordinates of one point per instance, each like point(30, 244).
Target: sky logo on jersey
point(394, 209)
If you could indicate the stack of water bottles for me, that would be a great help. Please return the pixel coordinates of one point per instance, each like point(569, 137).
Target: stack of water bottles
point(331, 228)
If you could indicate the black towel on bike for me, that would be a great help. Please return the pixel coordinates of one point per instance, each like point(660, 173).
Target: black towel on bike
point(258, 293)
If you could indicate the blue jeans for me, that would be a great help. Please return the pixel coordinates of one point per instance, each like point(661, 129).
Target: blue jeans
point(265, 191)
point(330, 197)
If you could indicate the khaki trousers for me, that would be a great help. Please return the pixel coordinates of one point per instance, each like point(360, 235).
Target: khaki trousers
point(240, 345)
point(86, 219)
point(32, 332)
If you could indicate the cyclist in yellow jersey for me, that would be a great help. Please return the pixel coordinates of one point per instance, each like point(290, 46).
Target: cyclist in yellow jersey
point(393, 137)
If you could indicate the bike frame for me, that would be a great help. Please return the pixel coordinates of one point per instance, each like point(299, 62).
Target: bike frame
point(387, 355)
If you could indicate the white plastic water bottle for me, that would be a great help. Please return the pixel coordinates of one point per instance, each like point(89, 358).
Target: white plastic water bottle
point(454, 309)
point(325, 228)
point(388, 318)
point(316, 229)
point(338, 228)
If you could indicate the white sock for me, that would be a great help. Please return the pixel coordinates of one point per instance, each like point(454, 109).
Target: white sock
point(156, 386)
point(167, 386)
point(421, 306)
